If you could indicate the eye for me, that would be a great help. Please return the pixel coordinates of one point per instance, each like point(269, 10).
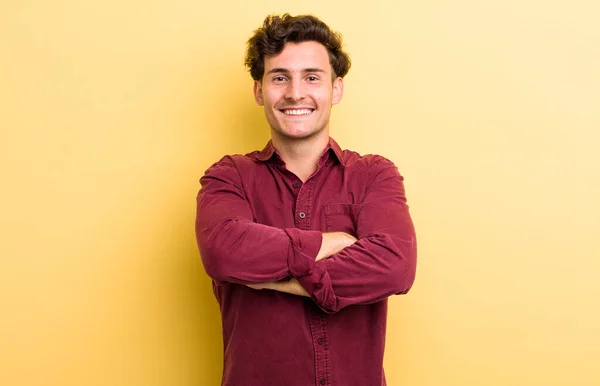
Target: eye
point(313, 78)
point(279, 79)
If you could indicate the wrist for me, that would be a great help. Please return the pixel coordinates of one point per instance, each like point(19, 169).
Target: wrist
point(334, 242)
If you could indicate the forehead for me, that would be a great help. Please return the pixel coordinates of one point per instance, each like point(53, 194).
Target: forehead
point(299, 56)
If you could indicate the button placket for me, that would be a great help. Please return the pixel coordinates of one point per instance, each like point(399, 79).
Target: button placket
point(318, 329)
point(303, 206)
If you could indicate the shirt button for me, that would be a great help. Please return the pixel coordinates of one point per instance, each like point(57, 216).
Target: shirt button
point(321, 341)
point(323, 381)
point(302, 215)
point(296, 184)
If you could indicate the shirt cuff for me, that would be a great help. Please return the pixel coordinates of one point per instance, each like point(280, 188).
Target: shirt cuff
point(318, 285)
point(305, 246)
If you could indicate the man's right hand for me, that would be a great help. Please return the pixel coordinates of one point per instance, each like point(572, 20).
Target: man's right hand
point(334, 242)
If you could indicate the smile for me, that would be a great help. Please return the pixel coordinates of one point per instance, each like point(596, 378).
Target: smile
point(297, 111)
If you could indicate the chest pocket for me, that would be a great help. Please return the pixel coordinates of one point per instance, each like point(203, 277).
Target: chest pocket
point(341, 217)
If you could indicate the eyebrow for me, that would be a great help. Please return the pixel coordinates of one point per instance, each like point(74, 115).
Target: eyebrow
point(286, 71)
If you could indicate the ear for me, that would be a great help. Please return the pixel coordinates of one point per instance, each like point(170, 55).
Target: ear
point(338, 90)
point(258, 93)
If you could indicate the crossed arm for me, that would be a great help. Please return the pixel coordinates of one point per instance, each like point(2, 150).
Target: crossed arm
point(332, 243)
point(334, 269)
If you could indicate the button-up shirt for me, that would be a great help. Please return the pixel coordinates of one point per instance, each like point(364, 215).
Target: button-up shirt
point(257, 222)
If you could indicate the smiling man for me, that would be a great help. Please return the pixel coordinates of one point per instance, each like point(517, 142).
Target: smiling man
point(304, 241)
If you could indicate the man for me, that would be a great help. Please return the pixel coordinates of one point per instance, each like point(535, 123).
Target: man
point(304, 241)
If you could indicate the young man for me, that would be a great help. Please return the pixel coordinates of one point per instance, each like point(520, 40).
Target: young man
point(304, 241)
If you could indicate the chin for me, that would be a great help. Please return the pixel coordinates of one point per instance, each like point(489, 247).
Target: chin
point(299, 133)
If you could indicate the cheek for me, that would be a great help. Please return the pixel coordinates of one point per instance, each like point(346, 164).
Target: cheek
point(325, 97)
point(324, 103)
point(272, 95)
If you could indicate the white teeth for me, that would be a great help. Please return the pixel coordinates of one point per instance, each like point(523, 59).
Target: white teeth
point(298, 112)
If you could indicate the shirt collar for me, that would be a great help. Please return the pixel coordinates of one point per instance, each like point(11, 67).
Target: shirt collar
point(266, 153)
point(269, 150)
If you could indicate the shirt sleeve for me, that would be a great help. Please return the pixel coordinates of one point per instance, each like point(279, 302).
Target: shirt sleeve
point(383, 260)
point(236, 249)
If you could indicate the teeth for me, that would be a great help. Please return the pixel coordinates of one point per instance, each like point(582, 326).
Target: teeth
point(298, 112)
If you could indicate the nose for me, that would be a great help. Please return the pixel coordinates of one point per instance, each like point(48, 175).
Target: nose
point(295, 90)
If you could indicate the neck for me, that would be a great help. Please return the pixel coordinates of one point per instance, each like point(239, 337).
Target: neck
point(301, 156)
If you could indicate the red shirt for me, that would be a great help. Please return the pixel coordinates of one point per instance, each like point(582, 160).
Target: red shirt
point(257, 222)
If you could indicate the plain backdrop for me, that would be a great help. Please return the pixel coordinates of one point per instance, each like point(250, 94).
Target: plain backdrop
point(110, 111)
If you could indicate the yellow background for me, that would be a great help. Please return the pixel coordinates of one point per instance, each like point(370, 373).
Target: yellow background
point(111, 110)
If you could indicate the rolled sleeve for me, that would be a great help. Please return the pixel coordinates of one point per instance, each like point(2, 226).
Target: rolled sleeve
point(305, 246)
point(318, 284)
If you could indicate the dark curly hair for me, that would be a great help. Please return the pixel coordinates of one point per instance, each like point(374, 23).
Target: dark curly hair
point(276, 31)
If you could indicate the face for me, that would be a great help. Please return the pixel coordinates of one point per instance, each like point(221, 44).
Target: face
point(297, 91)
